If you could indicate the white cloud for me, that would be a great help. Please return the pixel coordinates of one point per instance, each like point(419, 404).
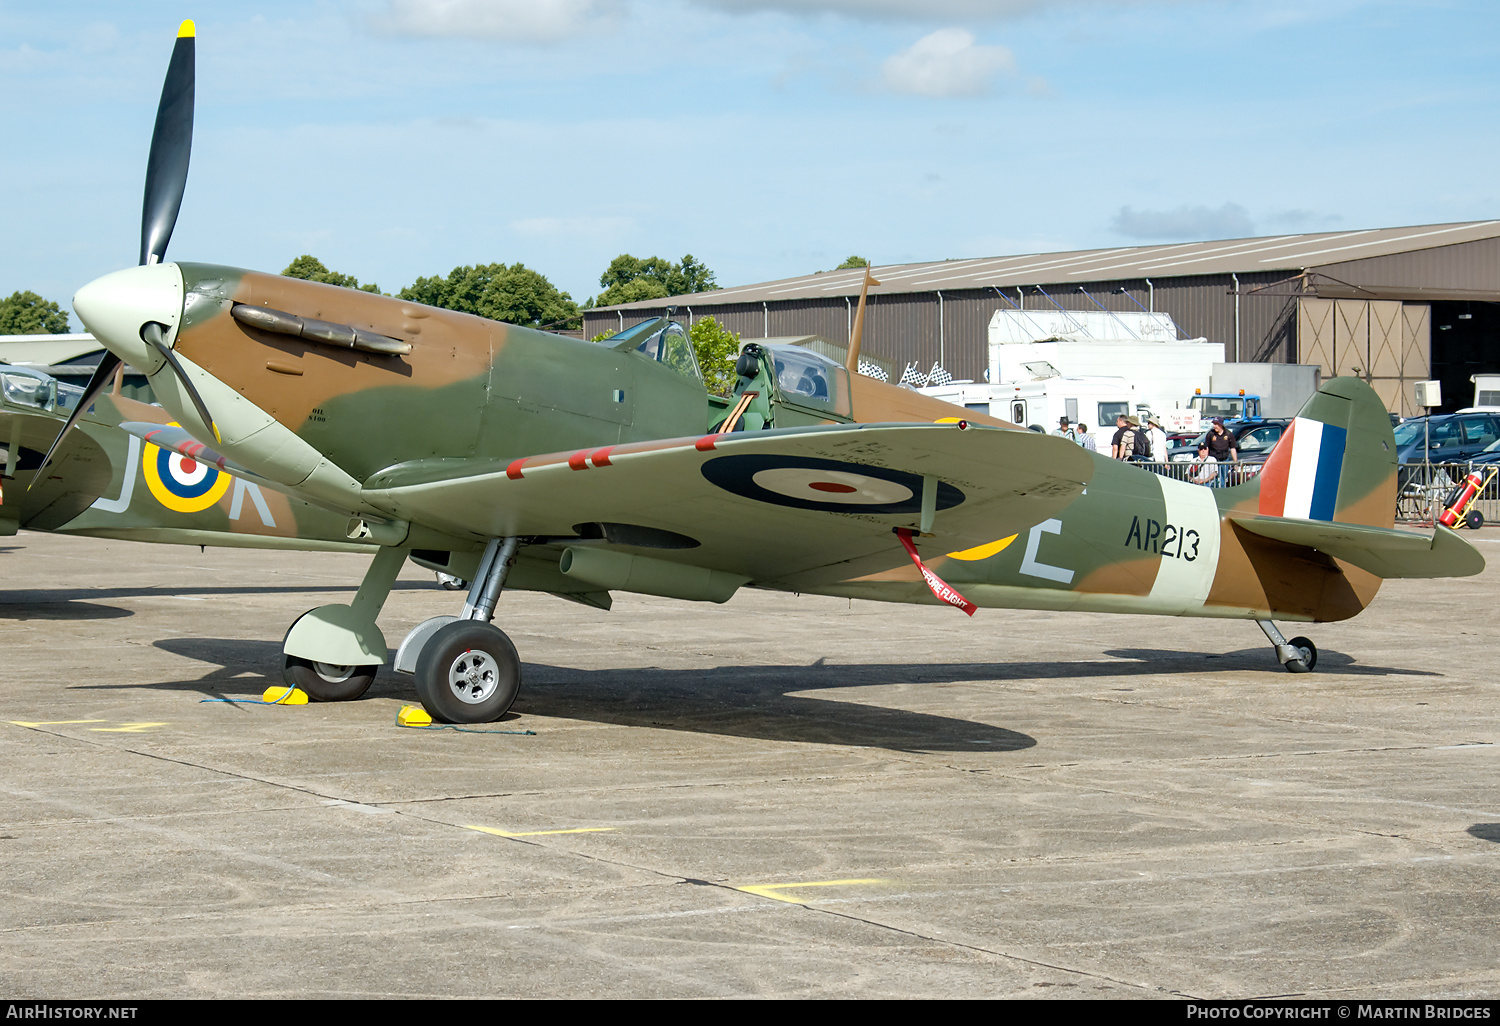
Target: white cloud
point(519, 21)
point(946, 63)
point(1231, 221)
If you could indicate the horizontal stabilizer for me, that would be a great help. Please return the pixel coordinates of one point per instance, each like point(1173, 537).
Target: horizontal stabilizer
point(1382, 551)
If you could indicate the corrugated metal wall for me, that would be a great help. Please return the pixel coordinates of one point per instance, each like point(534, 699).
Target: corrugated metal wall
point(1274, 326)
point(904, 328)
point(1469, 270)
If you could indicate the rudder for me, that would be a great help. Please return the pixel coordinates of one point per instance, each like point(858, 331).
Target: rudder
point(1336, 462)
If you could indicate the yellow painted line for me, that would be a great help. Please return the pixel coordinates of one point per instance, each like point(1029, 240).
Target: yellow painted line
point(51, 723)
point(769, 890)
point(982, 551)
point(537, 833)
point(128, 728)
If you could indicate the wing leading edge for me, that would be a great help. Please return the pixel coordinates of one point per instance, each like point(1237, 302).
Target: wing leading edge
point(792, 508)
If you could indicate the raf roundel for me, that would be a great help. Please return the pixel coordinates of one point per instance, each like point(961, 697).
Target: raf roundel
point(830, 486)
point(183, 484)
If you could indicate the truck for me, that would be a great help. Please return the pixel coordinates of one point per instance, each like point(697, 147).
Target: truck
point(1249, 392)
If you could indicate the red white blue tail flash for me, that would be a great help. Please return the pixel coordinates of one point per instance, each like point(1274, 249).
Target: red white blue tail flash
point(1301, 479)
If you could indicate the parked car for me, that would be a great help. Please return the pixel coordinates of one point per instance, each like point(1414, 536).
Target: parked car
point(1446, 438)
point(1251, 438)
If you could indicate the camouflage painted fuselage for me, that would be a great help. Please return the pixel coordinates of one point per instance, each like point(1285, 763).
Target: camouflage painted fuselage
point(473, 397)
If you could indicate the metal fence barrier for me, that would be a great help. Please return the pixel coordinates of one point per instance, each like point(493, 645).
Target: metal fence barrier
point(1225, 474)
point(1421, 489)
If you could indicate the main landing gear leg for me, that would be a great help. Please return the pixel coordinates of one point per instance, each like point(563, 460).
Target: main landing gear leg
point(466, 669)
point(333, 652)
point(1298, 655)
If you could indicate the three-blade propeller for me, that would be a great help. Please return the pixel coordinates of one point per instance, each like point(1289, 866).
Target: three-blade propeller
point(166, 179)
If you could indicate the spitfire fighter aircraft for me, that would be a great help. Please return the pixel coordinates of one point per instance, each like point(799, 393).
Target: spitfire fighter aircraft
point(513, 457)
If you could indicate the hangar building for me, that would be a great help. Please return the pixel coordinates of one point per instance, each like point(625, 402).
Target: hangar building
point(1392, 305)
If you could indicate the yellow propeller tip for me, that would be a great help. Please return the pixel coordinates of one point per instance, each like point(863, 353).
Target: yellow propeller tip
point(187, 29)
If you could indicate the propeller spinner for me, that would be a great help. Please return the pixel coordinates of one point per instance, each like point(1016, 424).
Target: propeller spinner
point(103, 305)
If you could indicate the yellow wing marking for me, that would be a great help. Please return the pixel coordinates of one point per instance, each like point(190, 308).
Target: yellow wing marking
point(982, 551)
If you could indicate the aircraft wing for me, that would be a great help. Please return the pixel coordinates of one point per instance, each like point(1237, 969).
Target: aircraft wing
point(796, 507)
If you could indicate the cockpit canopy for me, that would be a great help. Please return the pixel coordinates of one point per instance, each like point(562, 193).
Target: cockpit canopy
point(34, 390)
point(661, 340)
point(810, 380)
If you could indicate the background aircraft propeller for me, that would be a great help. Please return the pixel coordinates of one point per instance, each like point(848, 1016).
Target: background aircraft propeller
point(166, 179)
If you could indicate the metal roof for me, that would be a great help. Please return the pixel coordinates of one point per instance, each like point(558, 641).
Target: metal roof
point(1290, 253)
point(46, 350)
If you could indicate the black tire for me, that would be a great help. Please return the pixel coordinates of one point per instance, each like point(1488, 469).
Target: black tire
point(468, 672)
point(327, 683)
point(1309, 656)
point(1474, 519)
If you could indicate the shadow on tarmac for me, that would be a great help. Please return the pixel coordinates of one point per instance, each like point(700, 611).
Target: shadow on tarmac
point(752, 701)
point(1486, 831)
point(82, 604)
point(1155, 660)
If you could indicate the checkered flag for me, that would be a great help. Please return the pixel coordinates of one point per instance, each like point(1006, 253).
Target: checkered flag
point(938, 376)
point(873, 370)
point(913, 377)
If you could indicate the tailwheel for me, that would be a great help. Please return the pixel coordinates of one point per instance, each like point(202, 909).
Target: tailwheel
point(468, 672)
point(1308, 656)
point(325, 682)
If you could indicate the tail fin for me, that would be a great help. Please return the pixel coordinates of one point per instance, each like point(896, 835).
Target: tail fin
point(1336, 462)
point(1330, 485)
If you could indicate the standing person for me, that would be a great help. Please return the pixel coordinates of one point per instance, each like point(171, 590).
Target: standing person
point(1158, 440)
point(1064, 430)
point(1114, 442)
point(1123, 446)
point(1085, 439)
point(1221, 447)
point(1141, 451)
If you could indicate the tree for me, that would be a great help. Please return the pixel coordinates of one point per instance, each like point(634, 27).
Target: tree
point(630, 279)
point(310, 268)
point(852, 262)
point(717, 348)
point(514, 294)
point(26, 313)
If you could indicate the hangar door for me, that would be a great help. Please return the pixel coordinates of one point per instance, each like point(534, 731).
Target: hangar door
point(1386, 342)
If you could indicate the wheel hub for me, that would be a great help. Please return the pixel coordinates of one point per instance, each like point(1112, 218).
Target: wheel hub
point(333, 673)
point(473, 677)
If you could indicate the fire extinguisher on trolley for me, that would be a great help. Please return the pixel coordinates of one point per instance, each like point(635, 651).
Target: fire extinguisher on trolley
point(1457, 505)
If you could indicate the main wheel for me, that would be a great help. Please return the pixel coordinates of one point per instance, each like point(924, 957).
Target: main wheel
point(1309, 656)
point(468, 672)
point(325, 682)
point(1475, 520)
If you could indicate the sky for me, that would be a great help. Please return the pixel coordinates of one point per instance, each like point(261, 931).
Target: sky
point(395, 139)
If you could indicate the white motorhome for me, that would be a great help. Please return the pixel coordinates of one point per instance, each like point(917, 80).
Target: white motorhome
point(1142, 350)
point(1094, 400)
point(1486, 394)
